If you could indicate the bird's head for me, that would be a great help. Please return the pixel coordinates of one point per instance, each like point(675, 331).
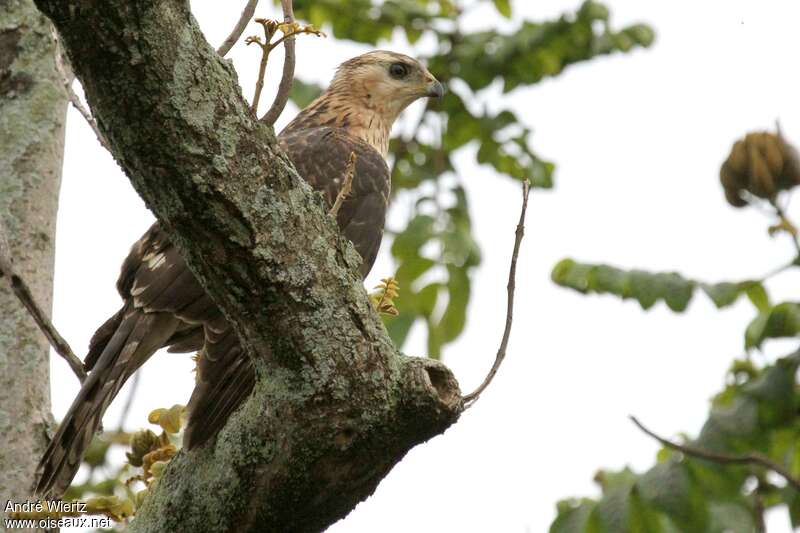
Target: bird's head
point(367, 94)
point(386, 81)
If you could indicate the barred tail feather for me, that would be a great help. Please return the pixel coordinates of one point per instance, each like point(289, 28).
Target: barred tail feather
point(138, 335)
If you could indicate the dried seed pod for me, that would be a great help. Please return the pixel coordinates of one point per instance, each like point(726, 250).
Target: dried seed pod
point(761, 164)
point(142, 443)
point(773, 155)
point(762, 182)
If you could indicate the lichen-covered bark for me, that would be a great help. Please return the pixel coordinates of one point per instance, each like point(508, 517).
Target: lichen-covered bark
point(335, 406)
point(32, 115)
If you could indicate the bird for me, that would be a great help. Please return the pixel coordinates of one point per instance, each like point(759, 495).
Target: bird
point(164, 306)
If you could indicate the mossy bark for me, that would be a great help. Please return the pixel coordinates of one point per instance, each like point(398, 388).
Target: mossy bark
point(32, 116)
point(335, 406)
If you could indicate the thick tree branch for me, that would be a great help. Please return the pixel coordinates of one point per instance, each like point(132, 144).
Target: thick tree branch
point(32, 118)
point(754, 459)
point(473, 396)
point(334, 406)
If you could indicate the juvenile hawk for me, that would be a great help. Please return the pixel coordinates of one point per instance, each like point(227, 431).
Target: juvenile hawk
point(165, 306)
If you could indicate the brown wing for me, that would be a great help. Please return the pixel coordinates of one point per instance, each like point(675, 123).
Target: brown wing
point(321, 156)
point(163, 303)
point(225, 378)
point(155, 278)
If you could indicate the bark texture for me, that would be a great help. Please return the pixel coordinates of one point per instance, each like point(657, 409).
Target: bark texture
point(32, 116)
point(335, 406)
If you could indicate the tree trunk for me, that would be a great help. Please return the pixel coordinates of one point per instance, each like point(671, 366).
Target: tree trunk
point(32, 116)
point(335, 406)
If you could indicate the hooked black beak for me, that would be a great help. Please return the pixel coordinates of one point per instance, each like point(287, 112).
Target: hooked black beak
point(435, 89)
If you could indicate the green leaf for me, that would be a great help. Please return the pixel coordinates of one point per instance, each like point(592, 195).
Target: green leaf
point(722, 294)
point(603, 278)
point(647, 288)
point(730, 518)
point(782, 320)
point(641, 34)
point(675, 290)
point(642, 518)
point(426, 299)
point(754, 334)
point(455, 315)
point(412, 268)
point(774, 390)
point(758, 296)
point(573, 516)
point(568, 273)
point(594, 11)
point(399, 326)
point(418, 232)
point(730, 424)
point(303, 93)
point(670, 489)
point(792, 499)
point(503, 7)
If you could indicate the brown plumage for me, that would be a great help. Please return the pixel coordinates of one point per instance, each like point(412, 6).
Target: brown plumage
point(165, 306)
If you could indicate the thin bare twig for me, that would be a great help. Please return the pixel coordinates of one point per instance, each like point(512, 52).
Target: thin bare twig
point(723, 458)
point(237, 31)
point(787, 224)
point(779, 270)
point(290, 30)
point(347, 185)
point(287, 78)
point(759, 509)
point(473, 396)
point(25, 296)
point(66, 79)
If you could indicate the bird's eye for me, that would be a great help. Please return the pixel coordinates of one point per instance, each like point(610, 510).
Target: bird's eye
point(398, 70)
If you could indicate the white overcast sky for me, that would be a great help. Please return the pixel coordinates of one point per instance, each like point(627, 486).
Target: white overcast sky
point(638, 140)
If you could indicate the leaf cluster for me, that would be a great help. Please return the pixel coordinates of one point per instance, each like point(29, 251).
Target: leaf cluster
point(111, 493)
point(755, 413)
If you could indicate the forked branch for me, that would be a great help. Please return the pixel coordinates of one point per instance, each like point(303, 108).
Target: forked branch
point(289, 30)
point(287, 78)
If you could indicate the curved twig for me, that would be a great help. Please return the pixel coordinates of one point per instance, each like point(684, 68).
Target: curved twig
point(25, 296)
point(287, 78)
point(723, 458)
point(787, 223)
point(237, 31)
point(66, 79)
point(472, 397)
